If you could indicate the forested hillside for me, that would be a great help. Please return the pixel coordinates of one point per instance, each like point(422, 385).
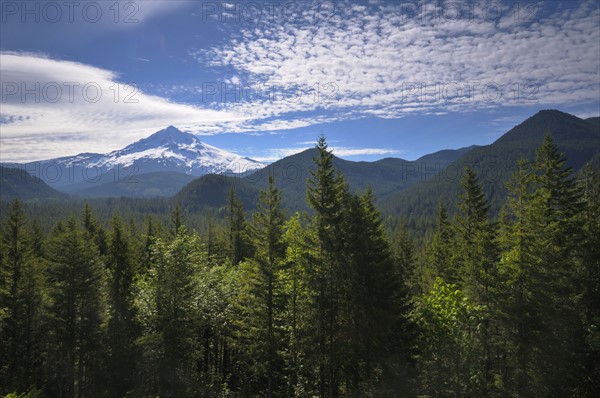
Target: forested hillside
point(271, 303)
point(384, 176)
point(148, 185)
point(411, 190)
point(579, 139)
point(18, 184)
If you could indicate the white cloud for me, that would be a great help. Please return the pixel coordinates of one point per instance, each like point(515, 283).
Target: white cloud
point(43, 99)
point(362, 62)
point(274, 154)
point(370, 57)
point(349, 152)
point(587, 113)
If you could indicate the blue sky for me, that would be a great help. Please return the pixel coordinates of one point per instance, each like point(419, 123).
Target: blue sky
point(265, 78)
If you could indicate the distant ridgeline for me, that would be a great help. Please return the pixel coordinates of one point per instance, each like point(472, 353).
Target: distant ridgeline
point(200, 179)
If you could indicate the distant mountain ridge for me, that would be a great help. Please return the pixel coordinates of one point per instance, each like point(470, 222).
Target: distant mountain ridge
point(578, 139)
point(168, 150)
point(413, 189)
point(384, 176)
point(147, 185)
point(18, 184)
point(410, 189)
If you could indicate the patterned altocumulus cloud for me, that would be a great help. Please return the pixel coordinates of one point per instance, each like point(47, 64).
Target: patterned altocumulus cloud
point(390, 59)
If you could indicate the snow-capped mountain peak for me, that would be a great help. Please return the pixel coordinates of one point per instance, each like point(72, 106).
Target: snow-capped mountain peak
point(169, 149)
point(174, 150)
point(171, 136)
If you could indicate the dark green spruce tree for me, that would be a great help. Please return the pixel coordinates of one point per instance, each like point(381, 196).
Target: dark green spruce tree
point(21, 305)
point(476, 258)
point(168, 306)
point(176, 220)
point(377, 357)
point(326, 192)
point(123, 328)
point(95, 232)
point(440, 249)
point(539, 263)
point(590, 283)
point(556, 231)
point(76, 313)
point(404, 251)
point(237, 234)
point(267, 301)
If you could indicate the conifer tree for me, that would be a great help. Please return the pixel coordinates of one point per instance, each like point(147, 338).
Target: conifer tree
point(539, 264)
point(522, 277)
point(440, 248)
point(176, 220)
point(589, 281)
point(95, 232)
point(175, 319)
point(122, 325)
point(406, 259)
point(376, 305)
point(265, 304)
point(326, 193)
point(236, 220)
point(76, 285)
point(37, 239)
point(471, 225)
point(149, 237)
point(300, 357)
point(556, 233)
point(21, 301)
point(476, 259)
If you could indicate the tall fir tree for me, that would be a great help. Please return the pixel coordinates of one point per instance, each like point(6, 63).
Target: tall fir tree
point(589, 280)
point(476, 259)
point(300, 356)
point(76, 312)
point(123, 329)
point(440, 251)
point(376, 306)
point(21, 299)
point(93, 229)
point(556, 232)
point(266, 303)
point(326, 193)
point(176, 220)
point(237, 234)
point(471, 224)
point(150, 235)
point(523, 280)
point(175, 317)
point(539, 262)
point(404, 251)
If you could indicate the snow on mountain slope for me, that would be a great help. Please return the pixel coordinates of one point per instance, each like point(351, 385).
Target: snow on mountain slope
point(173, 148)
point(166, 150)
